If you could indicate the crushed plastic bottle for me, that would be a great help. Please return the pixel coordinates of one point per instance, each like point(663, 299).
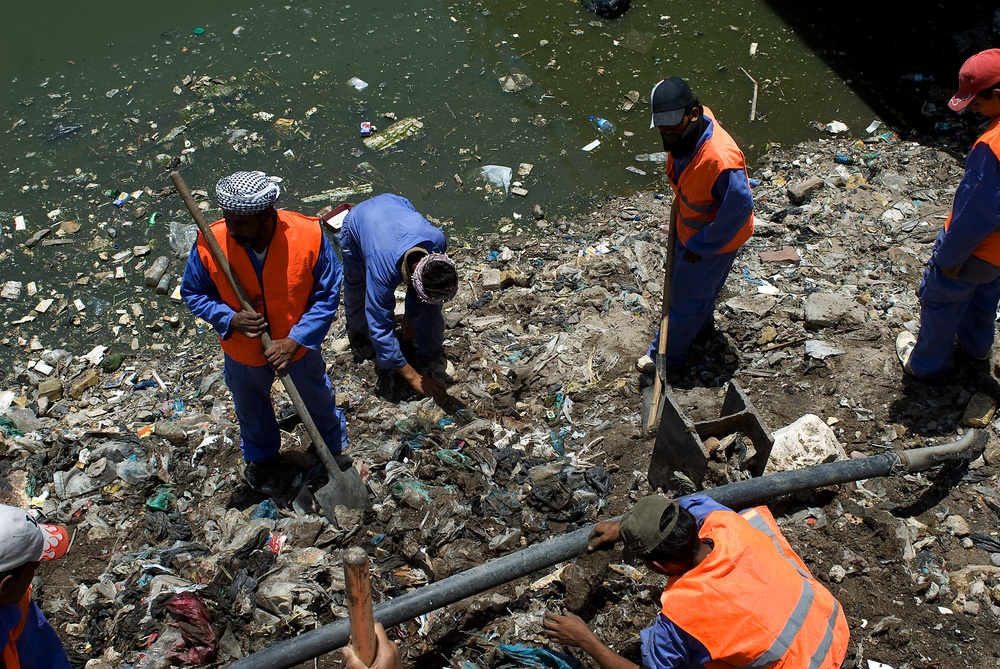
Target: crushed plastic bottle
point(603, 124)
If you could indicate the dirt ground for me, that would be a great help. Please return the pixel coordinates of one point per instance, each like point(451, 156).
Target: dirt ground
point(574, 304)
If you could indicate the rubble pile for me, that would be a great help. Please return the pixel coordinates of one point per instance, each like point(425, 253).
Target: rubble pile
point(175, 560)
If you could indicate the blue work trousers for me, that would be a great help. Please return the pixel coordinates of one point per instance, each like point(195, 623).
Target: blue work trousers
point(260, 438)
point(428, 321)
point(951, 308)
point(692, 301)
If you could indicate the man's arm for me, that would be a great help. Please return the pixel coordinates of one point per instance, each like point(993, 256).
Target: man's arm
point(324, 299)
point(975, 212)
point(201, 295)
point(733, 188)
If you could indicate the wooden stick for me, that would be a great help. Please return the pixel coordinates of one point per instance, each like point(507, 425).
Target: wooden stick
point(784, 344)
point(661, 347)
point(359, 604)
point(753, 105)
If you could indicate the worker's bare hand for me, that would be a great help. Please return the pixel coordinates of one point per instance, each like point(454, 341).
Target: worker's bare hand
point(387, 654)
point(568, 629)
point(691, 256)
point(281, 353)
point(604, 535)
point(951, 272)
point(249, 323)
point(428, 386)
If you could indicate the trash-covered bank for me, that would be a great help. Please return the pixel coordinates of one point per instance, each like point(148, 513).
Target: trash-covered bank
point(174, 561)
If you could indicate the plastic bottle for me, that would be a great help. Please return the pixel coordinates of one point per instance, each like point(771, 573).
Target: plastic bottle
point(917, 78)
point(844, 159)
point(603, 124)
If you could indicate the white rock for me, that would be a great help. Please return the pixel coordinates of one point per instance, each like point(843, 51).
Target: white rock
point(806, 442)
point(956, 525)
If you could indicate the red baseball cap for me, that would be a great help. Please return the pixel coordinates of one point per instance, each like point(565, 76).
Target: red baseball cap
point(977, 74)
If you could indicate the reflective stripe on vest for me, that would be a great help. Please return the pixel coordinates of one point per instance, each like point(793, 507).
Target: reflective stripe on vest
point(11, 659)
point(287, 280)
point(803, 626)
point(989, 249)
point(696, 206)
point(797, 619)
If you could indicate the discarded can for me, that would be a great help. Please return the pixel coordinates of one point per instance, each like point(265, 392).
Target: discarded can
point(121, 199)
point(366, 128)
point(844, 159)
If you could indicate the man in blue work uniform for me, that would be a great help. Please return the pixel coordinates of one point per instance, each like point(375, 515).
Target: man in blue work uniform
point(714, 209)
point(27, 640)
point(292, 279)
point(386, 243)
point(737, 595)
point(960, 288)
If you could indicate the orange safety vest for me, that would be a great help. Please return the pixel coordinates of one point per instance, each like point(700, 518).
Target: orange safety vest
point(696, 206)
point(989, 249)
point(752, 603)
point(11, 660)
point(283, 295)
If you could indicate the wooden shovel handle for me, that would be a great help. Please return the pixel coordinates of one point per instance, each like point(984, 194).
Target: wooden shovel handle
point(359, 604)
point(661, 347)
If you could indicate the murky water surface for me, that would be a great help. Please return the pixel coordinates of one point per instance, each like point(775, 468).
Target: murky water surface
point(98, 99)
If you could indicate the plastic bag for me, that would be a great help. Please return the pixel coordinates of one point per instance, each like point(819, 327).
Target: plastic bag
point(498, 175)
point(537, 658)
point(182, 238)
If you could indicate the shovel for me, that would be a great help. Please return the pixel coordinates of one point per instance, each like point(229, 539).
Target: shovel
point(343, 488)
point(652, 397)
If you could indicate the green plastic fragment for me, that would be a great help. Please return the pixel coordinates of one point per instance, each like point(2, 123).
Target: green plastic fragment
point(162, 499)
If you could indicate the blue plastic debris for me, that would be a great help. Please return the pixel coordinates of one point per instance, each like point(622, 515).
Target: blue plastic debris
point(536, 658)
point(266, 509)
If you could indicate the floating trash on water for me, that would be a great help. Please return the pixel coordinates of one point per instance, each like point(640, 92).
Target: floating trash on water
point(398, 131)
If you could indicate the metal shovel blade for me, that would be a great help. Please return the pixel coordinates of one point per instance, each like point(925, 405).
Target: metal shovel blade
point(647, 401)
point(347, 489)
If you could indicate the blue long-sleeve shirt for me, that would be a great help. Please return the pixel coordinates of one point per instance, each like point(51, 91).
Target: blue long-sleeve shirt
point(976, 210)
point(664, 644)
point(38, 646)
point(381, 230)
point(203, 299)
point(733, 189)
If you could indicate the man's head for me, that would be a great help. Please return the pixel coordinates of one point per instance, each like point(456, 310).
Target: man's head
point(676, 114)
point(432, 275)
point(979, 84)
point(247, 202)
point(662, 534)
point(23, 544)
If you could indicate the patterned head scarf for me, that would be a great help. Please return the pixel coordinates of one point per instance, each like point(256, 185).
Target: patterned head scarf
point(418, 279)
point(247, 193)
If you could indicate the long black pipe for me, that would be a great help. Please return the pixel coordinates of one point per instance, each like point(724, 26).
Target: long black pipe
point(290, 652)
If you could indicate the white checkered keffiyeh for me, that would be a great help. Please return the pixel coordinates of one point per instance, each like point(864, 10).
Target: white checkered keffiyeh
point(247, 193)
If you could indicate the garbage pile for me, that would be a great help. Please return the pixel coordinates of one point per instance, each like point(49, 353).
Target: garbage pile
point(175, 560)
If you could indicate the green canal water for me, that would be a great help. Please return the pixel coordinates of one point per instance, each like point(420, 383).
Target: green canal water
point(97, 98)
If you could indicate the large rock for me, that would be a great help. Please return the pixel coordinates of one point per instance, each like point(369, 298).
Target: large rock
point(757, 305)
point(806, 442)
point(823, 310)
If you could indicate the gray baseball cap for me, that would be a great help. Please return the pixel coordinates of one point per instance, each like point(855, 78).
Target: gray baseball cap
point(23, 539)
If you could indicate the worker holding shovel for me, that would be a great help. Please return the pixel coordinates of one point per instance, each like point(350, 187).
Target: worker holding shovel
point(737, 594)
point(292, 279)
point(714, 217)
